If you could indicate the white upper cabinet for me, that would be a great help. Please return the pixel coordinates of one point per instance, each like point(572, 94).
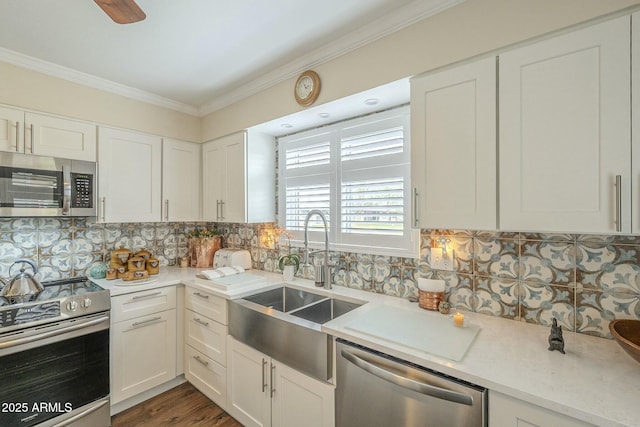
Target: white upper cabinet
point(238, 178)
point(129, 176)
point(31, 133)
point(635, 123)
point(453, 147)
point(11, 130)
point(180, 180)
point(565, 132)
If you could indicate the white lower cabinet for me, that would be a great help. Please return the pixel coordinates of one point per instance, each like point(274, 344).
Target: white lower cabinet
point(205, 351)
point(506, 411)
point(143, 341)
point(263, 392)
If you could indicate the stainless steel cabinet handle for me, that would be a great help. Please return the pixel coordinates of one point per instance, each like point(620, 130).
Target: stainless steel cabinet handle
point(399, 380)
point(264, 375)
point(198, 294)
point(202, 362)
point(31, 138)
point(166, 210)
point(416, 220)
point(273, 383)
point(146, 322)
point(17, 136)
point(197, 320)
point(217, 210)
point(221, 210)
point(139, 297)
point(618, 202)
point(103, 202)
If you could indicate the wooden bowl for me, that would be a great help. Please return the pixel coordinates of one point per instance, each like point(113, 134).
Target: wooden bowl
point(627, 334)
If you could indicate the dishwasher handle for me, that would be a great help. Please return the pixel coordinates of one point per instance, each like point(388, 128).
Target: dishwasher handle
point(399, 380)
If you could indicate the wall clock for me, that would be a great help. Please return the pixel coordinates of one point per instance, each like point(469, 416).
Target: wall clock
point(307, 88)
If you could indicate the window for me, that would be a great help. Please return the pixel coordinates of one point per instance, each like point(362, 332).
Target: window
point(357, 173)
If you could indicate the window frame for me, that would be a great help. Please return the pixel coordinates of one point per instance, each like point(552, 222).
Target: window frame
point(405, 246)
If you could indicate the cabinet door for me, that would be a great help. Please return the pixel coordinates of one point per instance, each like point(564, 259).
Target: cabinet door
point(635, 124)
point(234, 189)
point(11, 121)
point(144, 354)
point(453, 147)
point(249, 392)
point(213, 170)
point(129, 173)
point(565, 132)
point(300, 400)
point(180, 180)
point(505, 411)
point(56, 137)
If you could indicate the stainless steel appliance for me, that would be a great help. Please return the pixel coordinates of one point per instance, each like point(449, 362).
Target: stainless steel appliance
point(377, 390)
point(54, 357)
point(46, 186)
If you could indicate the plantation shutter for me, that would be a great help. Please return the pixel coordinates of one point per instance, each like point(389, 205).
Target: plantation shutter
point(357, 173)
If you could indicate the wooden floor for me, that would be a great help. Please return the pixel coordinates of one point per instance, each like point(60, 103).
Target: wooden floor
point(183, 405)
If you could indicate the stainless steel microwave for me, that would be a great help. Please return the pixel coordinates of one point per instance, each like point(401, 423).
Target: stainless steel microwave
point(46, 186)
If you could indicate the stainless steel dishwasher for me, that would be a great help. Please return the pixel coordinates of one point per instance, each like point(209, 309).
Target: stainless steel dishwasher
point(377, 390)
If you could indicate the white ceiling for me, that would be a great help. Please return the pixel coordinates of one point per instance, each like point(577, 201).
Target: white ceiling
point(195, 56)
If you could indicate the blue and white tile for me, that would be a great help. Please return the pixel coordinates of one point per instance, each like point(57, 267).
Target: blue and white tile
point(606, 267)
point(496, 257)
point(541, 302)
point(595, 310)
point(548, 262)
point(497, 297)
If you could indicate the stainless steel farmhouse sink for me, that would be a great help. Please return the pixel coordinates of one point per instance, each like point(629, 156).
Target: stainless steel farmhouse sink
point(285, 323)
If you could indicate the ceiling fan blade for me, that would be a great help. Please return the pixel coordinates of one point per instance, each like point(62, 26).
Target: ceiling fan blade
point(122, 11)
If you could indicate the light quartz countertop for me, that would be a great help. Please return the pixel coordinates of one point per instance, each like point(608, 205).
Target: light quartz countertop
point(595, 381)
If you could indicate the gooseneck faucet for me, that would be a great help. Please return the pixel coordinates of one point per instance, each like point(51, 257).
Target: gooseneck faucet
point(327, 271)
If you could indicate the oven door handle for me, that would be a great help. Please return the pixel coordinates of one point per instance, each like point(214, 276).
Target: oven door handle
point(53, 333)
point(83, 414)
point(407, 383)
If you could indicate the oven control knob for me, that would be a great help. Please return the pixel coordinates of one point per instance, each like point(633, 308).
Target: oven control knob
point(86, 303)
point(72, 305)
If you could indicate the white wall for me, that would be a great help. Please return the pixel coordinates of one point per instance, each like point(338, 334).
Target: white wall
point(470, 29)
point(28, 89)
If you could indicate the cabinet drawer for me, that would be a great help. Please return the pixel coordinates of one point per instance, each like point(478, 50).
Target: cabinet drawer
point(206, 335)
point(206, 375)
point(206, 304)
point(129, 306)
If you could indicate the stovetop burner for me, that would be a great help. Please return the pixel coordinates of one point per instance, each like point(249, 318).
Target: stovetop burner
point(60, 299)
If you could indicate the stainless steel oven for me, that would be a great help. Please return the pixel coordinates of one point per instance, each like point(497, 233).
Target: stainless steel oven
point(46, 186)
point(54, 357)
point(374, 389)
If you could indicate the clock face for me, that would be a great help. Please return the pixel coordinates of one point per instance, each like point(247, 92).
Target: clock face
point(304, 87)
point(307, 88)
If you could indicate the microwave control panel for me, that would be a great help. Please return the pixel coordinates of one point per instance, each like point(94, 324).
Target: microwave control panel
point(81, 190)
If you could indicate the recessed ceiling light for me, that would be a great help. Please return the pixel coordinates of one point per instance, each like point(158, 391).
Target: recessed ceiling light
point(286, 125)
point(324, 115)
point(371, 101)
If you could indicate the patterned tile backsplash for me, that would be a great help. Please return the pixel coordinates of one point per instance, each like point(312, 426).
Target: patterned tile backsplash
point(584, 281)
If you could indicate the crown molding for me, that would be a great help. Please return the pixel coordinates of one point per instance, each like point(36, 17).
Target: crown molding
point(395, 21)
point(85, 79)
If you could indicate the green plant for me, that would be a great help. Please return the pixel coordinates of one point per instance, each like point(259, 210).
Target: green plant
point(203, 232)
point(289, 259)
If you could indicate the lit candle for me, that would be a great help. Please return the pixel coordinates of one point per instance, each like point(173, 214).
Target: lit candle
point(458, 319)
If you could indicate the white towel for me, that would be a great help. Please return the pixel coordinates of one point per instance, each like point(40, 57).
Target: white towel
point(220, 272)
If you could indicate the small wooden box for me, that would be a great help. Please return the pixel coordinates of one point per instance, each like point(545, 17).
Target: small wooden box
point(430, 300)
